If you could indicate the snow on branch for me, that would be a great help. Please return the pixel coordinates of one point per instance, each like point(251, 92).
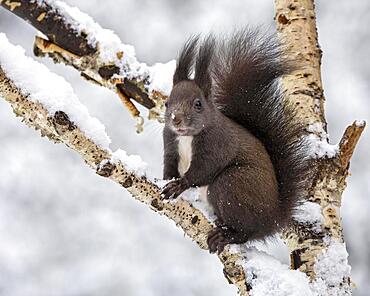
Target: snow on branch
point(49, 89)
point(46, 102)
point(74, 38)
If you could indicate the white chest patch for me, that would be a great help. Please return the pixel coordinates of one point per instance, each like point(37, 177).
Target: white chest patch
point(185, 153)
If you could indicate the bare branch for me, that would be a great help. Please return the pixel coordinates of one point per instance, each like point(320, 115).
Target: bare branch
point(349, 141)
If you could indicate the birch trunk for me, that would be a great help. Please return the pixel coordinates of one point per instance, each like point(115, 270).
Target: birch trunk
point(296, 24)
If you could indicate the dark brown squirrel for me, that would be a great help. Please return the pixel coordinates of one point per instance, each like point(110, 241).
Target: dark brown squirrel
point(229, 129)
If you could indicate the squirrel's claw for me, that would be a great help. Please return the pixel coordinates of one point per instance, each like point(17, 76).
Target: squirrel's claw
point(173, 189)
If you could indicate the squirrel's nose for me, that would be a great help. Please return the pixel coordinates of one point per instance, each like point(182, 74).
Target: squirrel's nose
point(177, 119)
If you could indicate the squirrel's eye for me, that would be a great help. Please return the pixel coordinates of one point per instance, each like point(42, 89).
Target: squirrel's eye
point(197, 104)
point(166, 104)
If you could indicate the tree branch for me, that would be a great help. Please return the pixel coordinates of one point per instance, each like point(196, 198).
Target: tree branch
point(349, 141)
point(74, 39)
point(296, 24)
point(45, 18)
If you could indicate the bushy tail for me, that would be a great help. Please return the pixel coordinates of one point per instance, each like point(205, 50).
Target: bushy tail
point(246, 75)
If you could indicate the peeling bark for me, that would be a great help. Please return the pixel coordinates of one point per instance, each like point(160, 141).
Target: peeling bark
point(296, 24)
point(59, 129)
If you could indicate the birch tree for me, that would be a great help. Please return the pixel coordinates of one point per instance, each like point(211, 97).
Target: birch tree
point(318, 255)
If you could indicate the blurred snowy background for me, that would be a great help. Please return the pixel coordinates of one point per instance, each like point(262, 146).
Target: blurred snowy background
point(66, 231)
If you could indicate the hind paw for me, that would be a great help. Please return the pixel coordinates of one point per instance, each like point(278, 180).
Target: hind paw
point(218, 238)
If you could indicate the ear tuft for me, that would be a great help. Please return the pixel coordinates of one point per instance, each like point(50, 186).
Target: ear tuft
point(202, 72)
point(186, 60)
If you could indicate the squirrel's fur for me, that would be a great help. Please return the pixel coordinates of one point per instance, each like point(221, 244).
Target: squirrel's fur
point(247, 145)
point(248, 91)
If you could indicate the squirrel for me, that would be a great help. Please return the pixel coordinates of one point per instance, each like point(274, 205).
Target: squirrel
point(230, 129)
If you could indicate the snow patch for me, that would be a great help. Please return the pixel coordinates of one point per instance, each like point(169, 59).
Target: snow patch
point(319, 142)
point(310, 212)
point(269, 277)
point(331, 268)
point(132, 163)
point(360, 123)
point(161, 77)
point(160, 183)
point(197, 197)
point(51, 90)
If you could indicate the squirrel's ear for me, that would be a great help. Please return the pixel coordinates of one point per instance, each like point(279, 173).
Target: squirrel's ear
point(185, 60)
point(202, 72)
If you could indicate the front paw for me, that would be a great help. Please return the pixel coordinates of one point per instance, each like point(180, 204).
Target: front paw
point(174, 188)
